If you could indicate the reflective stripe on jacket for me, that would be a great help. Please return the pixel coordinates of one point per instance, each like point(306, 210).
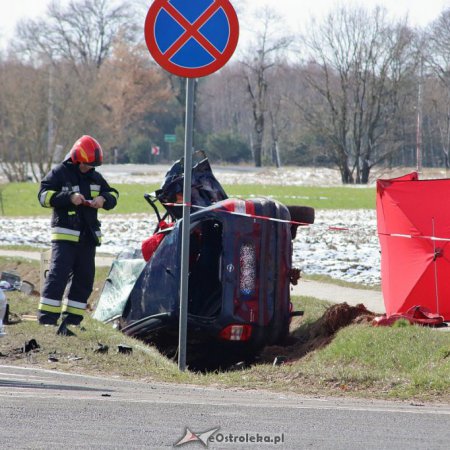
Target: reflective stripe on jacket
point(69, 222)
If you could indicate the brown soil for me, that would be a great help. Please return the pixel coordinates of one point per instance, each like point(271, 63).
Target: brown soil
point(320, 333)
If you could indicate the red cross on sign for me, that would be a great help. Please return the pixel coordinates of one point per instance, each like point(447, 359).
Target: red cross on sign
point(191, 39)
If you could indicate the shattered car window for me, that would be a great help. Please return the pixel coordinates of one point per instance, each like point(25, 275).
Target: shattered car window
point(120, 282)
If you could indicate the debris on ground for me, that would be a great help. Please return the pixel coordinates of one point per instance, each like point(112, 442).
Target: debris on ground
point(279, 360)
point(52, 357)
point(27, 347)
point(26, 287)
point(10, 280)
point(101, 348)
point(416, 315)
point(125, 349)
point(30, 346)
point(28, 317)
point(4, 313)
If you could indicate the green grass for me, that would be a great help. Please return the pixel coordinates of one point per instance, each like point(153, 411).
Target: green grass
point(20, 199)
point(77, 354)
point(344, 197)
point(400, 362)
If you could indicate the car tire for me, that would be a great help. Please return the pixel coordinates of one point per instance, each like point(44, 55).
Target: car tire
point(302, 214)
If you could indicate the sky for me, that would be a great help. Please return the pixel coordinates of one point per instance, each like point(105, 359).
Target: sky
point(296, 13)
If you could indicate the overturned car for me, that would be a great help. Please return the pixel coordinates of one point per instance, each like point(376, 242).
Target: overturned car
point(240, 270)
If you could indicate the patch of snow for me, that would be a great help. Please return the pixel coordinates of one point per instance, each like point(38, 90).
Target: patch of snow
point(352, 254)
point(341, 244)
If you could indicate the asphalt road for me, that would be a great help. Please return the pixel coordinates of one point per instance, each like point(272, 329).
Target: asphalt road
point(45, 409)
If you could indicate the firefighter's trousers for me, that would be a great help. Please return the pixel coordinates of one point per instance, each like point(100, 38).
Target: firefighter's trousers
point(74, 262)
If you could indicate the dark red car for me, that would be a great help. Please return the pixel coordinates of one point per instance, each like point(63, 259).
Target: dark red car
point(240, 269)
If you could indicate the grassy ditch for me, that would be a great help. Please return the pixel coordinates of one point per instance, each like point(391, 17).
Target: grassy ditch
point(400, 362)
point(20, 199)
point(94, 350)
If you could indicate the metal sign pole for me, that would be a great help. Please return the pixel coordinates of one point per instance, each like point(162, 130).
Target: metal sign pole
point(186, 224)
point(167, 46)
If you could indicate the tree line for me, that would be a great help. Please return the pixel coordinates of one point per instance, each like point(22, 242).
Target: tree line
point(358, 89)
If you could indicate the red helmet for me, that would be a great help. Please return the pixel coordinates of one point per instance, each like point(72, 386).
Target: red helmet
point(87, 150)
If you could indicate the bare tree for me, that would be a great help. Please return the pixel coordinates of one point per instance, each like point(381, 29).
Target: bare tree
point(436, 55)
point(23, 117)
point(222, 102)
point(42, 111)
point(263, 56)
point(359, 63)
point(130, 88)
point(82, 32)
point(66, 49)
point(280, 112)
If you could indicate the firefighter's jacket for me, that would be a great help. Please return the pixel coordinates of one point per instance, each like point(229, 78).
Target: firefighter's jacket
point(69, 222)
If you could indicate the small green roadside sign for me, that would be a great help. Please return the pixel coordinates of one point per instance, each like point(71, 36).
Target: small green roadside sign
point(170, 138)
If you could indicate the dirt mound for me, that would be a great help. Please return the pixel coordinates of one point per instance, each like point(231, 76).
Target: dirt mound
point(318, 334)
point(339, 316)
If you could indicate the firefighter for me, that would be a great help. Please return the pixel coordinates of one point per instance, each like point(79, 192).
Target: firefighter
point(76, 192)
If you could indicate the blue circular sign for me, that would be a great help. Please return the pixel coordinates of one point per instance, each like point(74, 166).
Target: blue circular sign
point(191, 38)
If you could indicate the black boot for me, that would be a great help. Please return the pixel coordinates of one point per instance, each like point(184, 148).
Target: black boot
point(63, 330)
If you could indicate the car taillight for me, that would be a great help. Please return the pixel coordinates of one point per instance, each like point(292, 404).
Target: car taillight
point(236, 333)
